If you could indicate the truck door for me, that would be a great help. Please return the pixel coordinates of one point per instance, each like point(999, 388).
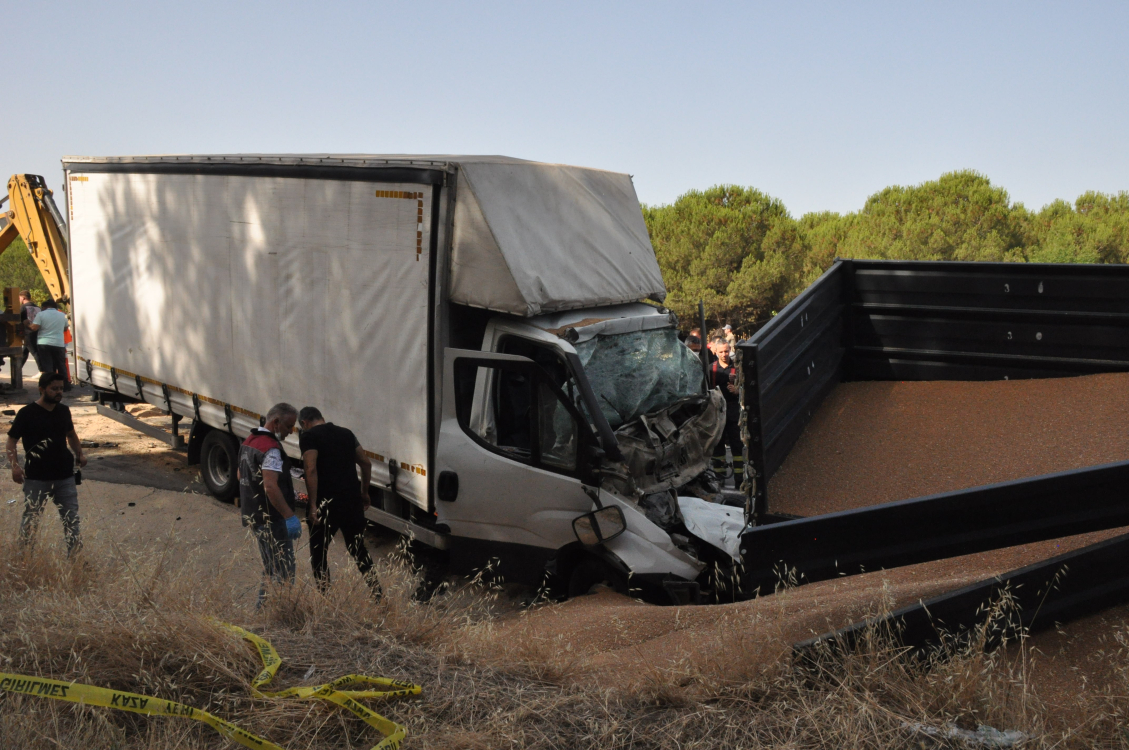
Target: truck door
point(519, 473)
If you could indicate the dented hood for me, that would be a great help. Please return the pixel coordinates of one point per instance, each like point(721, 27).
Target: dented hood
point(670, 447)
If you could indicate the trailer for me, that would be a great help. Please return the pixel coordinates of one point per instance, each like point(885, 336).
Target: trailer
point(910, 320)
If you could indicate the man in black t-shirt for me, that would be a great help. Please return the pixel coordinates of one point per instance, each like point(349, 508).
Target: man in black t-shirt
point(46, 428)
point(331, 455)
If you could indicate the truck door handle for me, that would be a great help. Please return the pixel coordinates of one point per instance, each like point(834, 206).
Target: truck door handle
point(448, 489)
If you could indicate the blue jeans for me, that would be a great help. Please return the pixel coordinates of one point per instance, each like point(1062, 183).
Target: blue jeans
point(65, 496)
point(277, 551)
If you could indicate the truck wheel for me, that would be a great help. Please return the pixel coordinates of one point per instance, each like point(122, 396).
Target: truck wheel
point(219, 457)
point(592, 572)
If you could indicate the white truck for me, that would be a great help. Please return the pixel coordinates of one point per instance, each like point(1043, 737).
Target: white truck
point(490, 328)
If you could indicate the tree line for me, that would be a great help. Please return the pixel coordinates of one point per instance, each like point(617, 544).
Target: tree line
point(741, 252)
point(18, 269)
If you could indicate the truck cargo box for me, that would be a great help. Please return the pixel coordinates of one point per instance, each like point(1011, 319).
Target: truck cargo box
point(249, 290)
point(239, 281)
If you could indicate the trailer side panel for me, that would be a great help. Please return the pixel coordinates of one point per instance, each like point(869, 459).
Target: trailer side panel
point(249, 290)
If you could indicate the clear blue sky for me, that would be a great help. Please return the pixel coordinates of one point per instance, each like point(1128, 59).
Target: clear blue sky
point(818, 104)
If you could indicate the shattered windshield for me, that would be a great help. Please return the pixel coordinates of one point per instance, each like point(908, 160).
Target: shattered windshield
point(636, 373)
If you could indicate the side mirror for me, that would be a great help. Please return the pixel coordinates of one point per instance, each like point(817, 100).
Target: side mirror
point(599, 526)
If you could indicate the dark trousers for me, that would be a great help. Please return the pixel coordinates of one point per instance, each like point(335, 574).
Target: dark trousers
point(349, 519)
point(53, 359)
point(731, 437)
point(65, 496)
point(30, 347)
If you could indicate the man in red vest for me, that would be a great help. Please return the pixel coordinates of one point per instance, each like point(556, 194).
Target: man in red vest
point(266, 495)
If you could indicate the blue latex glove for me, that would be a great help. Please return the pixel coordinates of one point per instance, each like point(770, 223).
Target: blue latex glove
point(293, 527)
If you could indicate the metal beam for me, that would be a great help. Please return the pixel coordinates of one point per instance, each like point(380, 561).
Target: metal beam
point(176, 442)
point(788, 367)
point(939, 526)
point(984, 321)
point(1058, 590)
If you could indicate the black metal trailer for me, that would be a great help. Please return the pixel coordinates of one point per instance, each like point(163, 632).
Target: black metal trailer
point(915, 320)
point(1042, 595)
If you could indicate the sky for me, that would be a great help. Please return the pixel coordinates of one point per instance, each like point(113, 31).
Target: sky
point(818, 104)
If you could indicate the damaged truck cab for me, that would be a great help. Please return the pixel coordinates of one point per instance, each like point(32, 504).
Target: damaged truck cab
point(594, 411)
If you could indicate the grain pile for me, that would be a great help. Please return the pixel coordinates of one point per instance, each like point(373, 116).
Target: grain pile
point(872, 443)
point(877, 442)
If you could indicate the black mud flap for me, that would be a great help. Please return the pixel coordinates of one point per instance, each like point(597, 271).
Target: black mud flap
point(196, 440)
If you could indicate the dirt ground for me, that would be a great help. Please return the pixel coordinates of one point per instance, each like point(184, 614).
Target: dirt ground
point(869, 443)
point(137, 494)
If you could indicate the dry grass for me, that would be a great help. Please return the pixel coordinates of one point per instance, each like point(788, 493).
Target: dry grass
point(133, 621)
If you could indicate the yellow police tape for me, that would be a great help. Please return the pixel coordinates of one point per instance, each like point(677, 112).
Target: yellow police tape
point(145, 704)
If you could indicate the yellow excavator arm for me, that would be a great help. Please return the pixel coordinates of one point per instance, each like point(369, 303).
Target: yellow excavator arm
point(32, 214)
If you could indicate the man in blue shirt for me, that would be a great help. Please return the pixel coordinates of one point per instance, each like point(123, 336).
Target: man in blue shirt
point(49, 325)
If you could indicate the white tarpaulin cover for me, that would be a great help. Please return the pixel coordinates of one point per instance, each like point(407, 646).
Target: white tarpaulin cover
point(529, 238)
point(537, 238)
point(254, 290)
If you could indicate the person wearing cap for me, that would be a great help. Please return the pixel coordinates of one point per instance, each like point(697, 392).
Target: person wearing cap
point(730, 337)
point(697, 333)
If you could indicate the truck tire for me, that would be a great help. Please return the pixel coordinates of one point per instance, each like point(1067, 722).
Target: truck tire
point(219, 457)
point(591, 572)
